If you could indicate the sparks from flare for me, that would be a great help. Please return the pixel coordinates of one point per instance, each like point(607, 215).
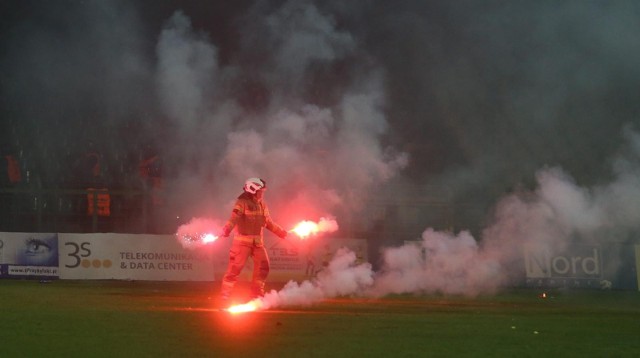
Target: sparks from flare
point(197, 233)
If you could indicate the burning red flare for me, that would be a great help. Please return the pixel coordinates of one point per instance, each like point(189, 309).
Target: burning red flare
point(305, 228)
point(209, 238)
point(243, 308)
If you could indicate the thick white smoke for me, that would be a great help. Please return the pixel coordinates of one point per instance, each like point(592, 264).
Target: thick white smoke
point(310, 80)
point(316, 154)
point(558, 212)
point(187, 71)
point(440, 263)
point(342, 277)
point(327, 225)
point(329, 154)
point(303, 100)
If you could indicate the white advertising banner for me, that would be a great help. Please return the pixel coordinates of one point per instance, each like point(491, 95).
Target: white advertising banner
point(158, 257)
point(131, 257)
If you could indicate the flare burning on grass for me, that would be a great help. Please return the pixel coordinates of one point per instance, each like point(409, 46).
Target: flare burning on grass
point(246, 307)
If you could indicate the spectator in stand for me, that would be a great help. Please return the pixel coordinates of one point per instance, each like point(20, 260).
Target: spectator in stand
point(87, 169)
point(150, 171)
point(10, 173)
point(88, 175)
point(10, 176)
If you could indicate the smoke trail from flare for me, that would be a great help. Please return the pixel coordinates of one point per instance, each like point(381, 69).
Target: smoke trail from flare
point(441, 262)
point(555, 215)
point(342, 277)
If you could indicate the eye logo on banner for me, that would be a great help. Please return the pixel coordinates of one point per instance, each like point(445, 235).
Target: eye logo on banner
point(29, 254)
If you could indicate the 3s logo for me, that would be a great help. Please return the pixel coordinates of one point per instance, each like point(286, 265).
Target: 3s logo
point(78, 251)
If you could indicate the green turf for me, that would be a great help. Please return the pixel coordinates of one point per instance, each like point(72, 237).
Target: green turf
point(164, 319)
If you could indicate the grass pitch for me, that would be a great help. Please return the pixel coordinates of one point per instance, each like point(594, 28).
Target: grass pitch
point(169, 319)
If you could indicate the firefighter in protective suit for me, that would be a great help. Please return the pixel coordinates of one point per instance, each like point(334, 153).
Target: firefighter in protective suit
point(249, 216)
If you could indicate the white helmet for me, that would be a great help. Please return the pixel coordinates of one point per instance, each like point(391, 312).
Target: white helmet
point(252, 185)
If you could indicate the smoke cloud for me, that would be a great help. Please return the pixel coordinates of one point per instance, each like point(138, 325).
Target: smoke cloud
point(278, 133)
point(341, 278)
point(556, 214)
point(469, 97)
point(514, 108)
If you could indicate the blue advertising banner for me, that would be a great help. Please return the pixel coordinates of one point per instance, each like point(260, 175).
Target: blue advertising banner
point(28, 255)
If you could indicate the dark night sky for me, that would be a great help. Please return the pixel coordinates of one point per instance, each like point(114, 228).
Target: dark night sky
point(475, 96)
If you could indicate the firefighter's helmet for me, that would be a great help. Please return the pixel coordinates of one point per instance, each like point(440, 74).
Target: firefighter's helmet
point(252, 185)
